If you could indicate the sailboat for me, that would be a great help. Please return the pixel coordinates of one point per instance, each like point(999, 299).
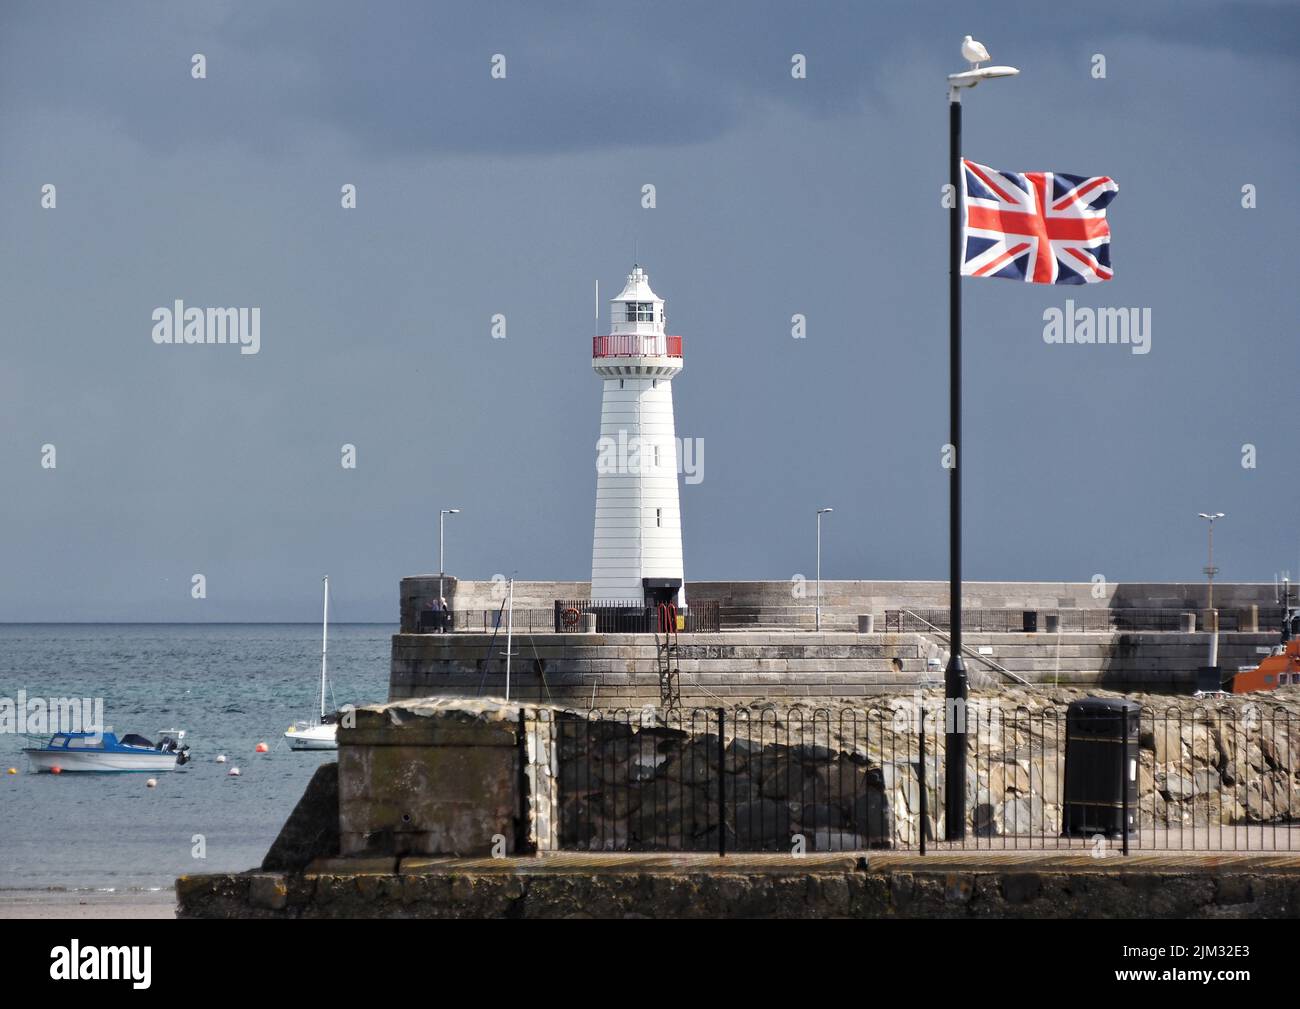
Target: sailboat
point(318, 735)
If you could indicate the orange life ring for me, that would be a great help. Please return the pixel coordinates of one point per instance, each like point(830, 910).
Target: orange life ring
point(570, 616)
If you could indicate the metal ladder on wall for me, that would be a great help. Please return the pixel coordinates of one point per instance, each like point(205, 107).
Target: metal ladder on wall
point(670, 692)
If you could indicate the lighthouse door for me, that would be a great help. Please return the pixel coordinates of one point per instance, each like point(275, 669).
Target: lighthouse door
point(660, 590)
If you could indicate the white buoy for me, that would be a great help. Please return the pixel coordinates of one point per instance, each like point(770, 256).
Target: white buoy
point(221, 758)
point(233, 772)
point(151, 783)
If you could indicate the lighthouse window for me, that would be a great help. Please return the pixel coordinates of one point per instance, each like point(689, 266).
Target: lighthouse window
point(659, 514)
point(640, 311)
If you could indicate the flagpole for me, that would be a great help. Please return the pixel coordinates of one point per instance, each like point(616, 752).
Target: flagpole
point(955, 683)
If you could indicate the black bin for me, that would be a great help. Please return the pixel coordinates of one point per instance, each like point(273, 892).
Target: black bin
point(1030, 618)
point(1101, 738)
point(1209, 678)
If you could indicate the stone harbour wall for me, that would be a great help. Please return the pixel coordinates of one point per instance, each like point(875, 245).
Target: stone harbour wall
point(439, 776)
point(879, 886)
point(790, 602)
point(474, 807)
point(473, 777)
point(622, 670)
point(541, 773)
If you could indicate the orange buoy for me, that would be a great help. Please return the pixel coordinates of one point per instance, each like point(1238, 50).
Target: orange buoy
point(262, 748)
point(56, 770)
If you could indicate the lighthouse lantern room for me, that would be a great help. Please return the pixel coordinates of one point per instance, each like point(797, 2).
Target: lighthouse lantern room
point(636, 554)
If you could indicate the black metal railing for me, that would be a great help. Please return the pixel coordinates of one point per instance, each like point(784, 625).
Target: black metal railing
point(715, 779)
point(612, 617)
point(523, 620)
point(1099, 620)
point(483, 621)
point(615, 616)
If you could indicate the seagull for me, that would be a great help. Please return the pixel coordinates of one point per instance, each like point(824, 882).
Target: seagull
point(974, 52)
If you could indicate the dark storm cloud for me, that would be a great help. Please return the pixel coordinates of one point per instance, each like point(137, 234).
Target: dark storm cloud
point(413, 77)
point(478, 196)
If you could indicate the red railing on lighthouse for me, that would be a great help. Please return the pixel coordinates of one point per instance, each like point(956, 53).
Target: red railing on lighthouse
point(636, 345)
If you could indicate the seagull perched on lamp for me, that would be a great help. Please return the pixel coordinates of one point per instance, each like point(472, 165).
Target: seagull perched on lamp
point(974, 52)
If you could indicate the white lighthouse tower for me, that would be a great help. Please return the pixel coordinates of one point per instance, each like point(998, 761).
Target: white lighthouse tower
point(636, 553)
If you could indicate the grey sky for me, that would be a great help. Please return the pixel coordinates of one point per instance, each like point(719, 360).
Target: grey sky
point(477, 196)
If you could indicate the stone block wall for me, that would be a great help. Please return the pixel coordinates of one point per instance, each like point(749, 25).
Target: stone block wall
point(834, 886)
point(434, 777)
point(541, 769)
point(622, 670)
point(482, 777)
point(418, 590)
point(787, 603)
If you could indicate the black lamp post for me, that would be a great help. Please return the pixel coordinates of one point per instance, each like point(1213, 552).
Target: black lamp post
point(955, 682)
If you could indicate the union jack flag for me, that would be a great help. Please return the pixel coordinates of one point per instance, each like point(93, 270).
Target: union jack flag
point(1039, 227)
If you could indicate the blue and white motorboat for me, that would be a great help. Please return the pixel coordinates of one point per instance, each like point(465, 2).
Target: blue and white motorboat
point(103, 751)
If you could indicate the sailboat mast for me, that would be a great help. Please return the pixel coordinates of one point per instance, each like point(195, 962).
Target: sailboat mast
point(324, 645)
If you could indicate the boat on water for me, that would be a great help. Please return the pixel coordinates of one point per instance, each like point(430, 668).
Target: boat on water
point(306, 736)
point(1282, 667)
point(104, 751)
point(317, 735)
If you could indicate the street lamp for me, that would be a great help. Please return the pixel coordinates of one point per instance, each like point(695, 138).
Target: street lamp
point(442, 515)
point(820, 513)
point(955, 684)
point(1210, 569)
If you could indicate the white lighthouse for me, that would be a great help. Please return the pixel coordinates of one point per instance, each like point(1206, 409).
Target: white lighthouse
point(636, 553)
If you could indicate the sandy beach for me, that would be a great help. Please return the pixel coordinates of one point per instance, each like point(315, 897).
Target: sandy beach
point(83, 904)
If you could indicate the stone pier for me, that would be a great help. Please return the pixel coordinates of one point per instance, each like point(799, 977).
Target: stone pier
point(622, 670)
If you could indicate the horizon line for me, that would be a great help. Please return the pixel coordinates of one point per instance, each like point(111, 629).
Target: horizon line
point(193, 623)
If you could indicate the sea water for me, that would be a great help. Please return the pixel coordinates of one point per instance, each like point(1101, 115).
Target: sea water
point(229, 686)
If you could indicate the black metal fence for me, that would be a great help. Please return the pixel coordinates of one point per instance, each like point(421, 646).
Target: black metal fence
point(719, 780)
point(486, 621)
point(632, 616)
point(566, 616)
point(1099, 620)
